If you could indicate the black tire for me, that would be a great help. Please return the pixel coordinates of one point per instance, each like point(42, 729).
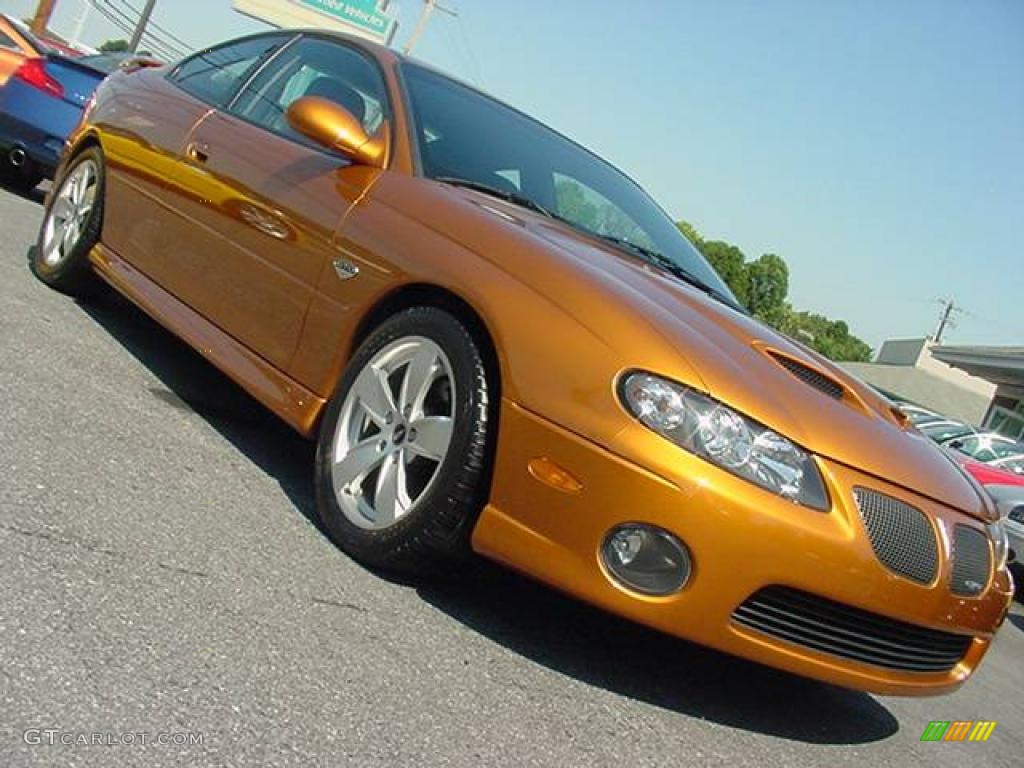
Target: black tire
point(436, 531)
point(73, 274)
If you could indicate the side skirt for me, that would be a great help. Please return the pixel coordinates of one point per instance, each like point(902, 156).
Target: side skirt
point(288, 399)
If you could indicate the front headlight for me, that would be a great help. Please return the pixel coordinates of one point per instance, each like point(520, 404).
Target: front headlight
point(1000, 542)
point(725, 438)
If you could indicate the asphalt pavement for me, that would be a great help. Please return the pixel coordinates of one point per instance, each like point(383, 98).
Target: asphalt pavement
point(161, 578)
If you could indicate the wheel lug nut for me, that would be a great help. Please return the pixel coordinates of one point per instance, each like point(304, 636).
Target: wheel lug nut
point(382, 445)
point(389, 418)
point(412, 435)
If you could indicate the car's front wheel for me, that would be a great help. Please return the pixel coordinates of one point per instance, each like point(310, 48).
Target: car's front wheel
point(71, 227)
point(403, 451)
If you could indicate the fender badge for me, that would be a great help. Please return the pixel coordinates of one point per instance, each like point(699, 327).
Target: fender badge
point(346, 269)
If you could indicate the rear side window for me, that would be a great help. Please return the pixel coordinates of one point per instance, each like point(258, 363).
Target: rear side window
point(215, 74)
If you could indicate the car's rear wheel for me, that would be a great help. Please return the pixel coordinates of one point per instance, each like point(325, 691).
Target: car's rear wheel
point(404, 445)
point(71, 227)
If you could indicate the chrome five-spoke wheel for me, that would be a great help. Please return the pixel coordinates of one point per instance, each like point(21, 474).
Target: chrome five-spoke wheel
point(394, 432)
point(69, 213)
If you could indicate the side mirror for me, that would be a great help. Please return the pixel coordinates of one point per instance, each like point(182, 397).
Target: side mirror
point(334, 127)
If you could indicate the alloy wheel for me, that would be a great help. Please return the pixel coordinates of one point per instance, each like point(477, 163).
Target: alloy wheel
point(69, 213)
point(393, 433)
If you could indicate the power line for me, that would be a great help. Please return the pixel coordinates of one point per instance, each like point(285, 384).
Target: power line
point(126, 23)
point(153, 25)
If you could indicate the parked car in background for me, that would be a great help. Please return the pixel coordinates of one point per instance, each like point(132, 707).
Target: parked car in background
point(986, 474)
point(990, 448)
point(17, 43)
point(396, 263)
point(40, 105)
point(918, 415)
point(944, 431)
point(59, 46)
point(1010, 503)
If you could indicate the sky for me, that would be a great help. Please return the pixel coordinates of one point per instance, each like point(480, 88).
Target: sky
point(876, 145)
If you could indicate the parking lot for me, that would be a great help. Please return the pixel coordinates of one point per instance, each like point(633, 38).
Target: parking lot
point(160, 573)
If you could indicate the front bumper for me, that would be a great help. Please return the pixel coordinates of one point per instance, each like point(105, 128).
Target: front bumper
point(742, 539)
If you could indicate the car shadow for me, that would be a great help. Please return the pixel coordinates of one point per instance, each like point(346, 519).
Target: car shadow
point(528, 619)
point(190, 383)
point(35, 195)
point(596, 648)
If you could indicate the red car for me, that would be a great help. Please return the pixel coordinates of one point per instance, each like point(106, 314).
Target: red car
point(986, 474)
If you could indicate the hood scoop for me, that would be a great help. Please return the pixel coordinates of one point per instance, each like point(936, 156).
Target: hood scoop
point(810, 376)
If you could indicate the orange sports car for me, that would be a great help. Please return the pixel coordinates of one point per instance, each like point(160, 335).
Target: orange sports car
point(501, 344)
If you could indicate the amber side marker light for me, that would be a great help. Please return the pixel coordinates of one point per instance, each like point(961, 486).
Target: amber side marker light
point(549, 473)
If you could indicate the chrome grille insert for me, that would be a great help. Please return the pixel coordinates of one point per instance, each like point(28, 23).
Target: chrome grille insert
point(902, 537)
point(851, 633)
point(810, 376)
point(971, 562)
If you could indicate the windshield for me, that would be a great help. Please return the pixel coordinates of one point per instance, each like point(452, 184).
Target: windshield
point(946, 431)
point(465, 135)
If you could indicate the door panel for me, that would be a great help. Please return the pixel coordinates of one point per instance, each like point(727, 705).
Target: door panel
point(262, 202)
point(260, 213)
point(144, 121)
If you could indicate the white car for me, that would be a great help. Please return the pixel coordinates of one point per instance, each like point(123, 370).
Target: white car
point(990, 448)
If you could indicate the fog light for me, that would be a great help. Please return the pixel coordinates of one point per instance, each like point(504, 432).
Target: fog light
point(646, 559)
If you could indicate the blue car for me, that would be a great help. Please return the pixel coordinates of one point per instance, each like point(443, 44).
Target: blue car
point(39, 106)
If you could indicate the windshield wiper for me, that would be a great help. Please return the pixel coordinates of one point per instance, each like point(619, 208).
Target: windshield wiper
point(662, 261)
point(502, 194)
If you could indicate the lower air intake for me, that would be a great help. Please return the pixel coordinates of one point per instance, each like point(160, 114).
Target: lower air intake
point(850, 633)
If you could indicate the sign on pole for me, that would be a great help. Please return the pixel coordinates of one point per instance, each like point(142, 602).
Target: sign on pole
point(364, 18)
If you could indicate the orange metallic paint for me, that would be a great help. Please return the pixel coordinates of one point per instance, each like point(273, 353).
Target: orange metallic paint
point(227, 235)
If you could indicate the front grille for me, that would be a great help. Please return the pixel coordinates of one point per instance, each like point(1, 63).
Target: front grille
point(811, 376)
point(970, 561)
point(900, 534)
point(841, 630)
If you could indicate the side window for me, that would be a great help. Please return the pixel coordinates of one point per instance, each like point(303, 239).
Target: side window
point(591, 210)
point(314, 67)
point(214, 75)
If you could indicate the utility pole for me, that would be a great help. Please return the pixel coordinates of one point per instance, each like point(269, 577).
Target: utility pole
point(42, 18)
point(140, 28)
point(946, 318)
point(429, 6)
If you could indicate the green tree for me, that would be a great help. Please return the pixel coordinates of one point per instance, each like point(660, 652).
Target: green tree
point(730, 263)
point(762, 286)
point(691, 233)
point(832, 338)
point(767, 286)
point(114, 46)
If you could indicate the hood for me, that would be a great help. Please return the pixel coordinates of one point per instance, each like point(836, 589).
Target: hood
point(778, 382)
point(720, 350)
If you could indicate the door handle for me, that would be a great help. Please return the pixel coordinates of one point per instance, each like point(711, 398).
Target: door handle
point(198, 152)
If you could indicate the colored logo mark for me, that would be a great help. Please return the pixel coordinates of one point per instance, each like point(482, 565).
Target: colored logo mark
point(958, 730)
